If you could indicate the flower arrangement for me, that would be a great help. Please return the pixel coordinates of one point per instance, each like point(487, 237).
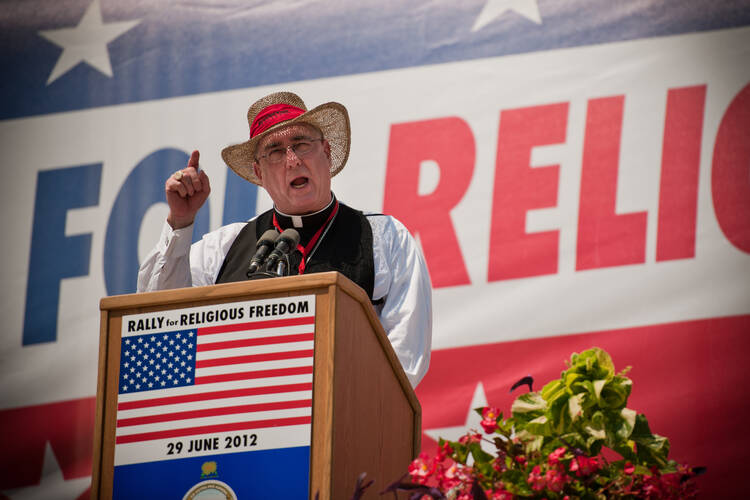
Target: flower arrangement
point(554, 446)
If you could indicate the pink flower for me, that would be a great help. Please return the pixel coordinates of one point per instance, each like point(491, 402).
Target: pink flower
point(449, 478)
point(421, 469)
point(465, 495)
point(470, 438)
point(489, 419)
point(584, 466)
point(500, 494)
point(443, 452)
point(554, 457)
point(555, 480)
point(536, 480)
point(629, 468)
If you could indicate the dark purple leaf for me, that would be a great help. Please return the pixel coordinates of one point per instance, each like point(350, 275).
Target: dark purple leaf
point(477, 493)
point(527, 380)
point(360, 488)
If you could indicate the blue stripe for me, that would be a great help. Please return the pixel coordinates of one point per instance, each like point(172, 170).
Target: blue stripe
point(192, 47)
point(271, 474)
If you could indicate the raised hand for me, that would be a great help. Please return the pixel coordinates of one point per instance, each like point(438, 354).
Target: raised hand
point(186, 191)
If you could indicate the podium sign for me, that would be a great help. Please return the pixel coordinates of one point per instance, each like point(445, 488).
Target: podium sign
point(216, 399)
point(279, 388)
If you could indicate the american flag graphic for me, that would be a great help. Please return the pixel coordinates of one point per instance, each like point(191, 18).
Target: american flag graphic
point(216, 379)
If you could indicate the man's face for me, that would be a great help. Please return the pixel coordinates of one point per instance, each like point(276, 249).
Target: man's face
point(297, 185)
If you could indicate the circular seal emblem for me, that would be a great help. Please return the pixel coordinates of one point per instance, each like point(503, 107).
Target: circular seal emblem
point(211, 489)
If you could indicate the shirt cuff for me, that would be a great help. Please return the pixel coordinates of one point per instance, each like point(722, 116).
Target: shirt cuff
point(175, 242)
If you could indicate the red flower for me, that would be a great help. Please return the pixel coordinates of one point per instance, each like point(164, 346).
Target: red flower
point(443, 452)
point(555, 480)
point(489, 419)
point(465, 495)
point(554, 457)
point(536, 480)
point(584, 466)
point(449, 478)
point(421, 469)
point(500, 494)
point(520, 459)
point(629, 468)
point(470, 438)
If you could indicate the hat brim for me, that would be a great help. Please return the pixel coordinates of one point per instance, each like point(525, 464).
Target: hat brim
point(330, 118)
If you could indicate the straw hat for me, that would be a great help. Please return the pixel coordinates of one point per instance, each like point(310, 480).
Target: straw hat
point(282, 109)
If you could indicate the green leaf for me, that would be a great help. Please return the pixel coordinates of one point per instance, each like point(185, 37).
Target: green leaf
point(595, 427)
point(553, 390)
point(575, 409)
point(539, 426)
point(627, 450)
point(628, 423)
point(594, 363)
point(651, 448)
point(615, 393)
point(558, 413)
point(598, 386)
point(527, 407)
point(480, 456)
point(460, 451)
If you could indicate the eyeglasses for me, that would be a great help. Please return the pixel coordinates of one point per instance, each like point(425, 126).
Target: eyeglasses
point(300, 148)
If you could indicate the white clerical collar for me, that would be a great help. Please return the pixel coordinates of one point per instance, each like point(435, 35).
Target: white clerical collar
point(315, 218)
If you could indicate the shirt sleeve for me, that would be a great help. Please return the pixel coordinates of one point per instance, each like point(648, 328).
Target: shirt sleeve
point(402, 281)
point(175, 263)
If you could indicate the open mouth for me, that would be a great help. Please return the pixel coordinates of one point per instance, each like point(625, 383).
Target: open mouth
point(299, 182)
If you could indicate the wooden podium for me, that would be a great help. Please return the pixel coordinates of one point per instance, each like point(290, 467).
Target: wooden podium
point(365, 416)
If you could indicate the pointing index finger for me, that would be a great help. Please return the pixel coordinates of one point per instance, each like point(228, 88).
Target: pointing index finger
point(194, 158)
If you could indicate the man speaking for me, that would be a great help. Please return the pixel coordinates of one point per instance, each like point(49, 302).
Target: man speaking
point(293, 153)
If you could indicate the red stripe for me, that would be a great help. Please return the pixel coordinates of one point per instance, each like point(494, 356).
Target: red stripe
point(207, 396)
point(279, 372)
point(193, 431)
point(257, 325)
point(233, 344)
point(254, 358)
point(214, 412)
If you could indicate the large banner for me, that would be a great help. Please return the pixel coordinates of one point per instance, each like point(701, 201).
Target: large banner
point(577, 174)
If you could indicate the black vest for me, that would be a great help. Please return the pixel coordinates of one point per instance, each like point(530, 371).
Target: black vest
point(346, 247)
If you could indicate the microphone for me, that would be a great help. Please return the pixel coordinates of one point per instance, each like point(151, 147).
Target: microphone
point(263, 247)
point(287, 241)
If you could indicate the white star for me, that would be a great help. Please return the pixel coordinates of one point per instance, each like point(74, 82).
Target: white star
point(496, 8)
point(52, 484)
point(87, 43)
point(473, 423)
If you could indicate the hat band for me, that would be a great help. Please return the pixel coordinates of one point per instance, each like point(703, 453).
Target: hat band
point(271, 115)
